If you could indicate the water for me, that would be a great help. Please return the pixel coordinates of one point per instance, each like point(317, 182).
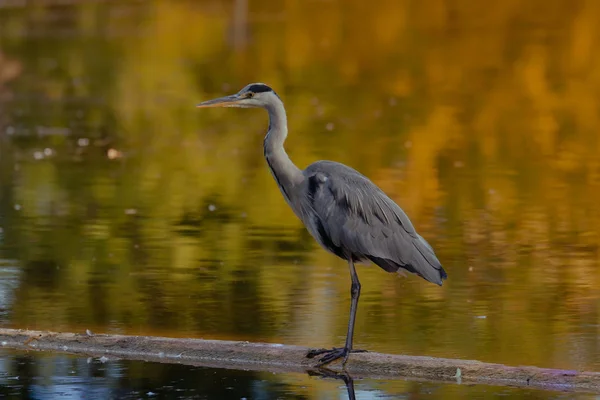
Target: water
point(51, 376)
point(123, 209)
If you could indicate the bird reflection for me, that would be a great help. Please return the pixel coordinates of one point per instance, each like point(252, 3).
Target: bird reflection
point(343, 375)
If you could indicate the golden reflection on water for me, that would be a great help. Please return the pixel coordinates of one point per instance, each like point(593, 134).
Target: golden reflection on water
point(480, 121)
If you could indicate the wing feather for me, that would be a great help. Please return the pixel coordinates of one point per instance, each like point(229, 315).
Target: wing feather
point(361, 221)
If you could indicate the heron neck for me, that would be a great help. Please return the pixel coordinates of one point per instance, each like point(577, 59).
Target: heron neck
point(283, 169)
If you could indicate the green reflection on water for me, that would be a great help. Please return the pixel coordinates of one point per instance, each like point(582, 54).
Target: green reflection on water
point(147, 216)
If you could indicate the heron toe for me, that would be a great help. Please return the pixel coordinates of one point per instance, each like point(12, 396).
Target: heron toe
point(331, 355)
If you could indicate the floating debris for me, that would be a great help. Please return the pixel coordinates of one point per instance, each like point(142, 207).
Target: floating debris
point(369, 365)
point(212, 207)
point(114, 154)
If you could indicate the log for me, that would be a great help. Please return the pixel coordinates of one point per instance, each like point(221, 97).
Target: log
point(273, 357)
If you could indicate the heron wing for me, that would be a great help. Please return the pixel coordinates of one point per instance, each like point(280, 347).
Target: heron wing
point(352, 216)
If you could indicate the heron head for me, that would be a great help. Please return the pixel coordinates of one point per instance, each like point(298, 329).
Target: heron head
point(252, 96)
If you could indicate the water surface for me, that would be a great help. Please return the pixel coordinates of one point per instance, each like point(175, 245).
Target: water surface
point(123, 209)
point(42, 376)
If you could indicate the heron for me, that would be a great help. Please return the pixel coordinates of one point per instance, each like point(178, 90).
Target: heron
point(343, 210)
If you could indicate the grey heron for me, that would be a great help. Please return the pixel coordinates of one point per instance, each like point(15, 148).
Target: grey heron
point(343, 210)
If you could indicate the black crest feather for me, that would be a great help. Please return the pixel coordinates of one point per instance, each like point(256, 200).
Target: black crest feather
point(260, 88)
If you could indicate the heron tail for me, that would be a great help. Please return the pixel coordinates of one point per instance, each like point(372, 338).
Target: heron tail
point(423, 263)
point(428, 262)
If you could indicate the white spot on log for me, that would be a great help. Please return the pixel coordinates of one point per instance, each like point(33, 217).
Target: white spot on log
point(458, 376)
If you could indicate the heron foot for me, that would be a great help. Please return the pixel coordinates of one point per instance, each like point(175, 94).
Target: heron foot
point(332, 354)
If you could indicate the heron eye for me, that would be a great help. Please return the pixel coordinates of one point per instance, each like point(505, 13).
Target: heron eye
point(250, 95)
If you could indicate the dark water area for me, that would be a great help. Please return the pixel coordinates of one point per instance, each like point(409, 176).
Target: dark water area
point(124, 209)
point(48, 376)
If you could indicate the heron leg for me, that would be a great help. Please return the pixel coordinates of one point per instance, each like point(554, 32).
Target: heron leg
point(339, 352)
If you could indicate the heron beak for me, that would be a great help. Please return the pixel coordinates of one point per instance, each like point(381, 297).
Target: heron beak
point(227, 101)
